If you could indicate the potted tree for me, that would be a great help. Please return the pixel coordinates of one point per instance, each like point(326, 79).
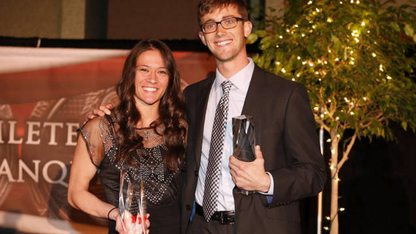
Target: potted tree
point(355, 59)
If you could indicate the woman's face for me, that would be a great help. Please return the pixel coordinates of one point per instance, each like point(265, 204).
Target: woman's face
point(151, 78)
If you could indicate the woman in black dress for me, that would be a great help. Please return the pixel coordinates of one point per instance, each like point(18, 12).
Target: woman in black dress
point(145, 135)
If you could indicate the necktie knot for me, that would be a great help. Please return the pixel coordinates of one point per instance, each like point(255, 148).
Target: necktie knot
point(226, 86)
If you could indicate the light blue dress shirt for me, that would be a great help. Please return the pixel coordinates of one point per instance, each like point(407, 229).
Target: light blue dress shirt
point(238, 92)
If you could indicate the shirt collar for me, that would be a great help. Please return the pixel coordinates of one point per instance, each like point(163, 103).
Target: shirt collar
point(241, 80)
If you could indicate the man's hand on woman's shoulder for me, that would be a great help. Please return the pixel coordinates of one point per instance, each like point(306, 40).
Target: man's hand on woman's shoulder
point(101, 111)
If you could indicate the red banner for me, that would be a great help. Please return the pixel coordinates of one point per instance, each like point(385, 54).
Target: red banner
point(45, 95)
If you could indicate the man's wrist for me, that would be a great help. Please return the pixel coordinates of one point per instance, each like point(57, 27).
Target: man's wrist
point(269, 186)
point(266, 184)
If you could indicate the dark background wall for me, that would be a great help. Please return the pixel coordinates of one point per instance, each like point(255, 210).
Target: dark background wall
point(157, 18)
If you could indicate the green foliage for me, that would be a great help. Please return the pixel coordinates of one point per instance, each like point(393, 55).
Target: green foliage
point(355, 58)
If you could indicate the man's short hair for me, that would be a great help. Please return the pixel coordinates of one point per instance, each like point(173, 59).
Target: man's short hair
point(208, 6)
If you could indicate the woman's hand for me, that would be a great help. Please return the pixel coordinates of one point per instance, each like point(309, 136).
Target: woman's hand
point(130, 224)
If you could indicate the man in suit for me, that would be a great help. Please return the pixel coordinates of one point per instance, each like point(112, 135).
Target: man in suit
point(288, 166)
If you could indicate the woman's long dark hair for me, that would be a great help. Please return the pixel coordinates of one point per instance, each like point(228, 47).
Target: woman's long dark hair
point(171, 109)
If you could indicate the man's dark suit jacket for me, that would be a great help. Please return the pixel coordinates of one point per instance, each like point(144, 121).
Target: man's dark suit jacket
point(286, 132)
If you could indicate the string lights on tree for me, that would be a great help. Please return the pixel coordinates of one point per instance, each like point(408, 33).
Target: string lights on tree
point(356, 60)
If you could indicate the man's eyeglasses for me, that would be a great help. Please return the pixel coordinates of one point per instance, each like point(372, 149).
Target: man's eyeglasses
point(228, 23)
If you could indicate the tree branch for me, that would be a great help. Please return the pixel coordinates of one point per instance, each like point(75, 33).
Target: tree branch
point(347, 151)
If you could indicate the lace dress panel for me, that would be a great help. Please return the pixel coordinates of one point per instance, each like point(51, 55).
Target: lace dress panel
point(107, 137)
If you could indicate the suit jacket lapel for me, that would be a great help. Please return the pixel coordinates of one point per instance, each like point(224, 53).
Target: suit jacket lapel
point(253, 97)
point(201, 106)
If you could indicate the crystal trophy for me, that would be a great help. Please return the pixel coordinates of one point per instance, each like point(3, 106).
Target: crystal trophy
point(132, 202)
point(244, 141)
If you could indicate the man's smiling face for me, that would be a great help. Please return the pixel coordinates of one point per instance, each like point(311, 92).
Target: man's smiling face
point(226, 44)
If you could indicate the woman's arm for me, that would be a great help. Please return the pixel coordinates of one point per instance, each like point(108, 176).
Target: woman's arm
point(82, 172)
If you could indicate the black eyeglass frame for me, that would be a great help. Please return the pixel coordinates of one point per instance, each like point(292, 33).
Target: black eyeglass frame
point(220, 22)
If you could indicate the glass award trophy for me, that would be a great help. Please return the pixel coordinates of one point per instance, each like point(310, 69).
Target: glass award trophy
point(132, 202)
point(244, 141)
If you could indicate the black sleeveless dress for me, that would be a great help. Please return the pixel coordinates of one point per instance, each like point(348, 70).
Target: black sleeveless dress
point(161, 186)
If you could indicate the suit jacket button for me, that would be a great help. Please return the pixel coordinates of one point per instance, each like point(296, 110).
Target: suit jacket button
point(188, 207)
point(196, 173)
